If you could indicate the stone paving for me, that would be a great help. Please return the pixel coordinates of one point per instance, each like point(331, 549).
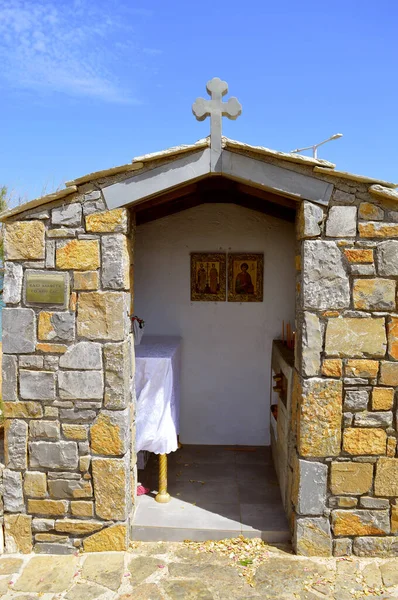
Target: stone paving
point(176, 571)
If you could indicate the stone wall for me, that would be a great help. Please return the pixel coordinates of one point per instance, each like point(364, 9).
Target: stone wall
point(343, 458)
point(66, 381)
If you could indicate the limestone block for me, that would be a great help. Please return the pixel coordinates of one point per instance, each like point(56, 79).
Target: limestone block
point(356, 400)
point(389, 373)
point(370, 212)
point(35, 484)
point(82, 508)
point(115, 262)
point(359, 255)
point(19, 330)
point(77, 416)
point(18, 534)
point(37, 385)
point(313, 537)
point(342, 547)
point(374, 294)
point(52, 348)
point(93, 206)
point(387, 258)
point(110, 477)
point(363, 270)
point(12, 284)
point(373, 419)
point(46, 430)
point(365, 441)
point(23, 410)
point(81, 385)
point(310, 218)
point(342, 221)
point(374, 503)
point(325, 282)
point(320, 436)
point(24, 240)
point(81, 255)
point(311, 345)
point(332, 367)
point(351, 477)
point(110, 433)
point(312, 487)
point(31, 361)
point(85, 280)
point(394, 517)
point(68, 214)
point(117, 375)
point(111, 221)
point(66, 488)
point(57, 326)
point(16, 444)
point(113, 538)
point(342, 196)
point(392, 336)
point(391, 446)
point(50, 254)
point(374, 229)
point(50, 363)
point(84, 355)
point(77, 527)
point(42, 525)
point(13, 492)
point(360, 522)
point(9, 379)
point(376, 546)
point(53, 455)
point(382, 398)
point(75, 432)
point(102, 315)
point(356, 337)
point(361, 368)
point(386, 481)
point(93, 195)
point(53, 508)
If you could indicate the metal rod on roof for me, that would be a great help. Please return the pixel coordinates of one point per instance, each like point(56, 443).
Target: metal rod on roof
point(315, 147)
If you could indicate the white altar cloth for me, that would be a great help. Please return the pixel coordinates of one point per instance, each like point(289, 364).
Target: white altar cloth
point(157, 386)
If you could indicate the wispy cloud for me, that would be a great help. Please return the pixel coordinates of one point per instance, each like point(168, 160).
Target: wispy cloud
point(66, 46)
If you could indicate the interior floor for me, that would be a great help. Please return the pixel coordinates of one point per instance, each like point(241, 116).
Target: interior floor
point(216, 492)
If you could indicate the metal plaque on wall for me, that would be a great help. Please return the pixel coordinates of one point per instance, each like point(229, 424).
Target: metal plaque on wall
point(45, 289)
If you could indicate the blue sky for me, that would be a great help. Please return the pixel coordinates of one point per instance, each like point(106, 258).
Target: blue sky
point(89, 84)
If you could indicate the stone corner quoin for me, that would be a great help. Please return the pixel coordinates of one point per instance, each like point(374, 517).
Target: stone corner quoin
point(69, 459)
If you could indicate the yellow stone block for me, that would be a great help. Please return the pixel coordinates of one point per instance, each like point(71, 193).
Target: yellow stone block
point(52, 348)
point(85, 491)
point(382, 398)
point(110, 488)
point(23, 410)
point(355, 522)
point(106, 437)
point(356, 337)
point(351, 478)
point(389, 373)
point(85, 280)
point(75, 432)
point(361, 368)
point(392, 335)
point(332, 367)
point(359, 255)
point(50, 537)
point(394, 517)
point(369, 211)
point(82, 255)
point(35, 485)
point(72, 301)
point(101, 315)
point(374, 294)
point(24, 240)
point(358, 440)
point(391, 446)
point(113, 538)
point(330, 313)
point(107, 222)
point(84, 463)
point(81, 508)
point(386, 481)
point(46, 329)
point(18, 533)
point(51, 508)
point(378, 230)
point(77, 527)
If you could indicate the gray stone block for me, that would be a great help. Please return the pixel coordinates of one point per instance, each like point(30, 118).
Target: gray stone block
point(342, 221)
point(63, 475)
point(9, 381)
point(42, 525)
point(313, 536)
point(37, 385)
point(311, 345)
point(378, 520)
point(84, 355)
point(114, 262)
point(12, 285)
point(356, 400)
point(363, 270)
point(387, 258)
point(19, 330)
point(68, 214)
point(342, 547)
point(51, 363)
point(47, 430)
point(325, 281)
point(93, 206)
point(53, 455)
point(70, 415)
point(368, 502)
point(84, 448)
point(117, 375)
point(29, 361)
point(93, 195)
point(68, 488)
point(81, 385)
point(64, 327)
point(17, 444)
point(53, 548)
point(376, 546)
point(13, 493)
point(342, 196)
point(373, 419)
point(50, 254)
point(312, 488)
point(310, 220)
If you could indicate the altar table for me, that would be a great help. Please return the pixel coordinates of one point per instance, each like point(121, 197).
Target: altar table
point(157, 385)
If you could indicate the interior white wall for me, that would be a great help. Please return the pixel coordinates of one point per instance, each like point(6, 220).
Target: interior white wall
point(226, 347)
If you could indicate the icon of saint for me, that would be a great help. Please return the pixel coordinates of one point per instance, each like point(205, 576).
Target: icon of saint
point(201, 279)
point(243, 281)
point(213, 279)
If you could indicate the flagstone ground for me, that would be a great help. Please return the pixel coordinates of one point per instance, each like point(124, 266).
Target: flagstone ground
point(180, 571)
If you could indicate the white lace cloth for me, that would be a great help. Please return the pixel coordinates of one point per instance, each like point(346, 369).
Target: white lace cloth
point(157, 385)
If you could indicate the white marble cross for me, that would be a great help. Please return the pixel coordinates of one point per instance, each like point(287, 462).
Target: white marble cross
point(216, 109)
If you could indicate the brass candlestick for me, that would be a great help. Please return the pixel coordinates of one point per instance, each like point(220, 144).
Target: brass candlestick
point(162, 496)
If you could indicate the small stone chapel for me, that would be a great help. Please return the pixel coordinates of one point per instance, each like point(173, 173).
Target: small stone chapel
point(80, 262)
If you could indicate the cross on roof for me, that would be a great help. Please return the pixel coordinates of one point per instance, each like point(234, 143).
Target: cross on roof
point(216, 109)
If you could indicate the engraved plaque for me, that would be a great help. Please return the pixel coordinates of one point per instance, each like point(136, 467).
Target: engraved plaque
point(45, 289)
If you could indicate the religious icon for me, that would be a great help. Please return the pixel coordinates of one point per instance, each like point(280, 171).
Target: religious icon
point(208, 277)
point(245, 277)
